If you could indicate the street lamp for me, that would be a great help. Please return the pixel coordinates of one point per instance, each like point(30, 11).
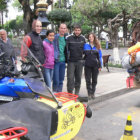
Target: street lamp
point(42, 7)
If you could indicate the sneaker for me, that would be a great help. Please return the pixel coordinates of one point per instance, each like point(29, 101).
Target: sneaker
point(89, 97)
point(93, 96)
point(77, 91)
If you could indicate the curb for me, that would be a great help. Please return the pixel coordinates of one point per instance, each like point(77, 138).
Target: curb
point(110, 95)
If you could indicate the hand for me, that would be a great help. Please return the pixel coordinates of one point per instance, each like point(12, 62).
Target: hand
point(15, 61)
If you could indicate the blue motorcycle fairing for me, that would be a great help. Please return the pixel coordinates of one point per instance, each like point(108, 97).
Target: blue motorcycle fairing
point(8, 88)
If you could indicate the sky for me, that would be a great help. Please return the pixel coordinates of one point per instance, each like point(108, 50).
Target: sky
point(12, 13)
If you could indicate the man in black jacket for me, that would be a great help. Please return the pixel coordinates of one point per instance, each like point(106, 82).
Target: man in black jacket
point(8, 57)
point(75, 43)
point(6, 46)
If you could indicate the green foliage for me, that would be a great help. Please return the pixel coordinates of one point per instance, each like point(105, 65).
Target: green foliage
point(66, 4)
point(94, 9)
point(103, 44)
point(16, 4)
point(3, 9)
point(6, 26)
point(15, 25)
point(107, 14)
point(59, 15)
point(86, 29)
point(97, 12)
point(82, 20)
point(12, 24)
point(19, 22)
point(3, 4)
point(10, 36)
point(114, 65)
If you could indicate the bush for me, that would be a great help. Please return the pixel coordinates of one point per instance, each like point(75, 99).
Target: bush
point(86, 29)
point(59, 15)
point(103, 44)
point(114, 65)
point(10, 36)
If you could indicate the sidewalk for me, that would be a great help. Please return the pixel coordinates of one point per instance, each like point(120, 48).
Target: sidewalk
point(110, 84)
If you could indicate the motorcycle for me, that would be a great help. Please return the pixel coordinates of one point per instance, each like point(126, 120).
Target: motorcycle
point(26, 101)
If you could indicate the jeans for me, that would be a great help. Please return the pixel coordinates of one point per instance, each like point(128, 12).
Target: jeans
point(48, 75)
point(58, 76)
point(74, 74)
point(91, 75)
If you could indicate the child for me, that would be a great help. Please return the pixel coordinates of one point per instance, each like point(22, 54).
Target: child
point(93, 63)
point(49, 57)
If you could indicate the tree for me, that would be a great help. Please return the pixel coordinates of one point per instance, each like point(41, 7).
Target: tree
point(59, 15)
point(109, 15)
point(65, 4)
point(78, 18)
point(127, 12)
point(29, 9)
point(17, 25)
point(3, 9)
point(6, 26)
point(97, 12)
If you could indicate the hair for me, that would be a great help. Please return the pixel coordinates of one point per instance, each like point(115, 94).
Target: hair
point(49, 31)
point(34, 24)
point(3, 30)
point(96, 41)
point(77, 26)
point(61, 24)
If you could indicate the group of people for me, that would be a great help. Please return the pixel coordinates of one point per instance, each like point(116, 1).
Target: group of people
point(57, 50)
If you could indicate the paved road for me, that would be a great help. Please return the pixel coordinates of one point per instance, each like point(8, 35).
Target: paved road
point(109, 118)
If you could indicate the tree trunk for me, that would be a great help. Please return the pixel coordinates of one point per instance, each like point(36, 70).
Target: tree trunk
point(94, 29)
point(29, 15)
point(27, 20)
point(2, 18)
point(114, 41)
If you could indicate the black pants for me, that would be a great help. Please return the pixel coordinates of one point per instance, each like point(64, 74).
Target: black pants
point(74, 74)
point(91, 75)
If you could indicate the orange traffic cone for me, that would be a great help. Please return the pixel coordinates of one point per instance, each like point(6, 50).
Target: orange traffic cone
point(128, 132)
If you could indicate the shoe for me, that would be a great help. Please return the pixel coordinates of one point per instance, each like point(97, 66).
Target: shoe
point(93, 96)
point(70, 91)
point(77, 91)
point(89, 97)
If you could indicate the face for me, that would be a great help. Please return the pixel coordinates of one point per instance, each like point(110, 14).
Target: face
point(3, 35)
point(91, 38)
point(38, 27)
point(51, 37)
point(62, 29)
point(77, 31)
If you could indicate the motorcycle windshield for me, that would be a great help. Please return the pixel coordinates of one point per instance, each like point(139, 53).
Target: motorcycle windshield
point(32, 71)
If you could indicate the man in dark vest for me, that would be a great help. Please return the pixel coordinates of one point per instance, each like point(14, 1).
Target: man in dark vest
point(34, 42)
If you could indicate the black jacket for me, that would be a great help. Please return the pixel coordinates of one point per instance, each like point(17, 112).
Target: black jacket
point(92, 58)
point(37, 47)
point(74, 45)
point(8, 49)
